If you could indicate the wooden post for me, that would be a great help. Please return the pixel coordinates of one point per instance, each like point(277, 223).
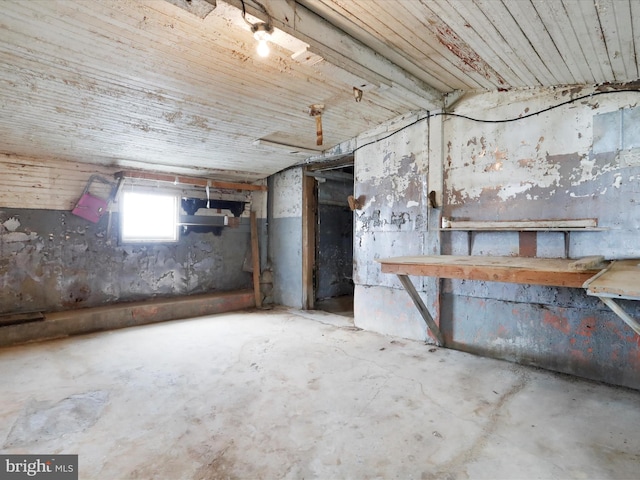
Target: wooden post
point(309, 225)
point(255, 256)
point(318, 129)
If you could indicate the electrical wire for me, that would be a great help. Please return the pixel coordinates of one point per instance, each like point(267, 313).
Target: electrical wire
point(552, 107)
point(262, 7)
point(480, 120)
point(244, 14)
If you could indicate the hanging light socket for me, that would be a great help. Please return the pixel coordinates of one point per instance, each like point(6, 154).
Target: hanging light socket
point(262, 33)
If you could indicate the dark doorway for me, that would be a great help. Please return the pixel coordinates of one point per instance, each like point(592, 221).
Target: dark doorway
point(333, 279)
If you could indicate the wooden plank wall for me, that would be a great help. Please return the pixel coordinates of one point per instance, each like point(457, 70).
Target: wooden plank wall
point(46, 184)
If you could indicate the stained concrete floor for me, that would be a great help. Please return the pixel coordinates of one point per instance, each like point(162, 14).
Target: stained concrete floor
point(280, 394)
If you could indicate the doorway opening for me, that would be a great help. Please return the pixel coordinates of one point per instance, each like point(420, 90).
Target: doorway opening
point(329, 234)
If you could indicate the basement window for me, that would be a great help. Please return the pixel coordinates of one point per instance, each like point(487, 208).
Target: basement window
point(148, 217)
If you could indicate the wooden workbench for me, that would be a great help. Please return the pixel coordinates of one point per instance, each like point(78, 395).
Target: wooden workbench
point(556, 272)
point(534, 271)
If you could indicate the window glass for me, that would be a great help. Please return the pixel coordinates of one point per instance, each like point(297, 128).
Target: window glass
point(148, 217)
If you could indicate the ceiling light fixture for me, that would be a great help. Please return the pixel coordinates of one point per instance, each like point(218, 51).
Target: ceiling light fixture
point(261, 31)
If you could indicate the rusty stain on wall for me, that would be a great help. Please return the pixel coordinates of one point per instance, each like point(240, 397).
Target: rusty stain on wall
point(580, 339)
point(559, 322)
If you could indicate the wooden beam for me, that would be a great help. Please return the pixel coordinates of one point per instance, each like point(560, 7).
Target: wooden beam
point(309, 213)
point(122, 315)
point(18, 318)
point(255, 257)
point(198, 182)
point(534, 271)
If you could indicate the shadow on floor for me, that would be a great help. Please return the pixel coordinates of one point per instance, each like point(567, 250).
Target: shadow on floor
point(337, 305)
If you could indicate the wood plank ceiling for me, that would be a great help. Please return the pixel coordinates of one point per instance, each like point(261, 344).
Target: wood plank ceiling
point(148, 84)
point(497, 44)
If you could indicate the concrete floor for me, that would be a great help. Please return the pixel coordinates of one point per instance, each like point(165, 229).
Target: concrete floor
point(279, 394)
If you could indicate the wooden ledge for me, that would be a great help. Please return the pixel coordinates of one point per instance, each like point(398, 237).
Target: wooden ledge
point(120, 315)
point(535, 271)
point(583, 224)
point(523, 229)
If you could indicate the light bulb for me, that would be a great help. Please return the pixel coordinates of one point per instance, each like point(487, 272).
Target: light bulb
point(262, 32)
point(263, 48)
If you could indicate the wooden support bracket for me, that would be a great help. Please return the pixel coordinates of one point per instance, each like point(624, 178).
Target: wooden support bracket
point(620, 280)
point(422, 308)
point(624, 316)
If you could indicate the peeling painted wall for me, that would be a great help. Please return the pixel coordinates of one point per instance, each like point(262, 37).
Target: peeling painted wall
point(52, 261)
point(546, 167)
point(391, 181)
point(285, 236)
point(577, 161)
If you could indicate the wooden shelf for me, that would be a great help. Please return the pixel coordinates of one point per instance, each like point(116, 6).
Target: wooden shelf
point(524, 225)
point(533, 226)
